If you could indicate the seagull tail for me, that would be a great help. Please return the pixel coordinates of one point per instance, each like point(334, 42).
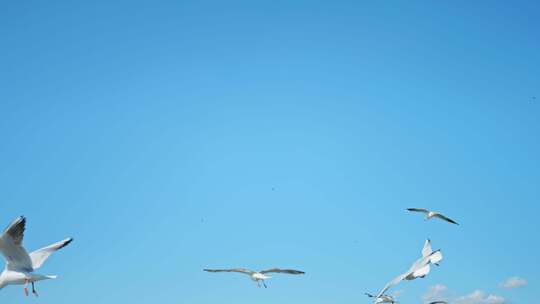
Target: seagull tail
point(40, 277)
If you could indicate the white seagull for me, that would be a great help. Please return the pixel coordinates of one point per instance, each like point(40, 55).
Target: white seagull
point(20, 265)
point(257, 276)
point(431, 214)
point(418, 269)
point(382, 299)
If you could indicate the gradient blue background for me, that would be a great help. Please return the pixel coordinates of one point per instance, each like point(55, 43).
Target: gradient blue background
point(170, 136)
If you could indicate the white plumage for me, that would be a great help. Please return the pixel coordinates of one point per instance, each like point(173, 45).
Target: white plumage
point(419, 269)
point(20, 266)
point(257, 276)
point(432, 214)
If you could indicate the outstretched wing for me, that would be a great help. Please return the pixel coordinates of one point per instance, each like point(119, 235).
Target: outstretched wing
point(15, 231)
point(426, 251)
point(239, 270)
point(418, 210)
point(392, 283)
point(11, 246)
point(278, 270)
point(439, 302)
point(446, 218)
point(422, 272)
point(39, 256)
point(436, 257)
point(369, 295)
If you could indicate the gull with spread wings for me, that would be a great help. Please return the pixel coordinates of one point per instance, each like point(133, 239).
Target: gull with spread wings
point(431, 214)
point(20, 265)
point(419, 269)
point(257, 276)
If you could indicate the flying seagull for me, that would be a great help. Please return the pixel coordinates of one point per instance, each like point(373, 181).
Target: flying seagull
point(20, 265)
point(257, 276)
point(419, 269)
point(382, 299)
point(431, 214)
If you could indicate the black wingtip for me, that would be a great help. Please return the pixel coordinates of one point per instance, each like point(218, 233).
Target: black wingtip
point(67, 242)
point(21, 219)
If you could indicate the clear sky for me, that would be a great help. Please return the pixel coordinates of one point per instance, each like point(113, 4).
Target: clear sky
point(170, 136)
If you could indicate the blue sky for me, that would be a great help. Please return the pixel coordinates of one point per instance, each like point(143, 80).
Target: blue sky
point(170, 136)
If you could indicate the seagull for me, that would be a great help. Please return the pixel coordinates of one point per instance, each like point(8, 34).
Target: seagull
point(419, 269)
point(432, 214)
point(20, 265)
point(257, 276)
point(382, 299)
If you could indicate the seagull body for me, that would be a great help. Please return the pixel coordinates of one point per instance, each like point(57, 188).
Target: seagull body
point(419, 269)
point(382, 299)
point(20, 265)
point(257, 276)
point(432, 214)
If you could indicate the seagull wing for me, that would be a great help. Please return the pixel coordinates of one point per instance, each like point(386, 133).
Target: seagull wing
point(421, 267)
point(239, 270)
point(392, 283)
point(445, 218)
point(439, 302)
point(278, 270)
point(435, 257)
point(421, 272)
point(418, 210)
point(426, 251)
point(15, 231)
point(369, 295)
point(39, 256)
point(16, 256)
